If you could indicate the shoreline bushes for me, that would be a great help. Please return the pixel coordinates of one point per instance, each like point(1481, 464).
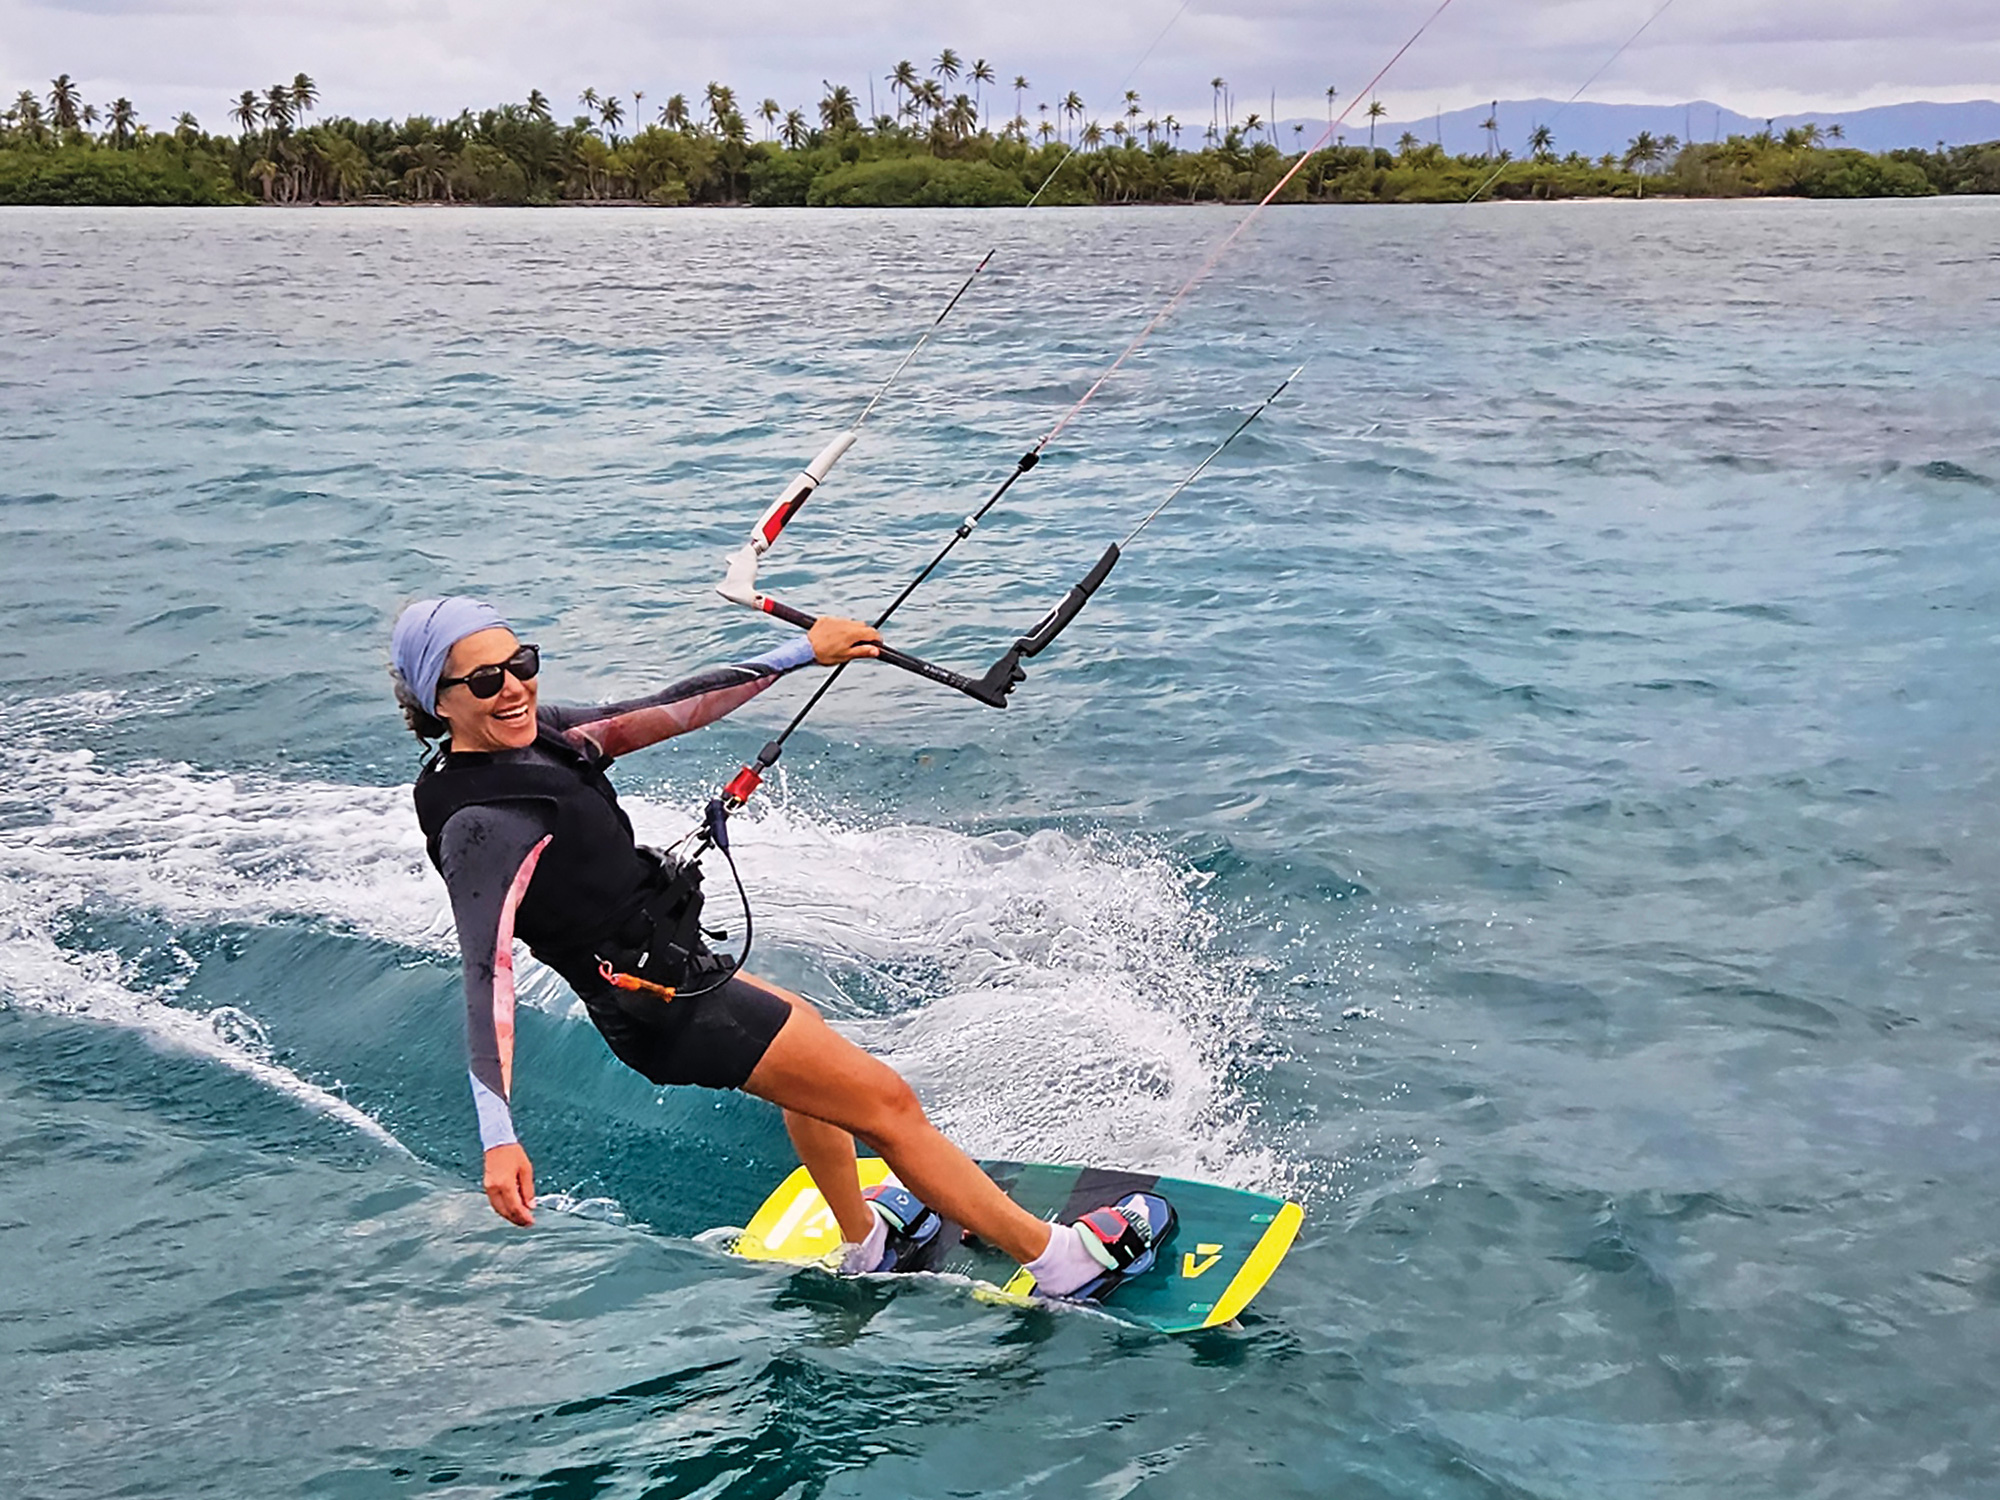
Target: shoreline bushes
point(932, 152)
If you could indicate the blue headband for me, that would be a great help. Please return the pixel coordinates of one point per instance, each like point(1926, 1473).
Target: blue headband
point(425, 634)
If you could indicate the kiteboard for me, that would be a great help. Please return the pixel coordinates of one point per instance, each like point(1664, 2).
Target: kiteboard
point(1224, 1248)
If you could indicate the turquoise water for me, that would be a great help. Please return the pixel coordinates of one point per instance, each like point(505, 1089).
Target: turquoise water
point(1534, 800)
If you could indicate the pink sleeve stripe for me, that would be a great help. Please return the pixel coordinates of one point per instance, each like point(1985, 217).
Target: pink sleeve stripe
point(623, 733)
point(503, 966)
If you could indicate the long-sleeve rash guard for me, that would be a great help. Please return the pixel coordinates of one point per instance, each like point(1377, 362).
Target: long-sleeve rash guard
point(488, 853)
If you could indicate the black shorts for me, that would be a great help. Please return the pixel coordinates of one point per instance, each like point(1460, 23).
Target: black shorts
point(714, 1040)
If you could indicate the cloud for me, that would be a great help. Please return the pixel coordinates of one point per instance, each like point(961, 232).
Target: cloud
point(393, 57)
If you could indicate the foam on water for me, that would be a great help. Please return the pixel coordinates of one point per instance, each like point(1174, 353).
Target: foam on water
point(1050, 994)
point(165, 840)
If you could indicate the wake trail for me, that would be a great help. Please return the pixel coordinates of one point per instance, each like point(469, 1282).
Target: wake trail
point(1052, 996)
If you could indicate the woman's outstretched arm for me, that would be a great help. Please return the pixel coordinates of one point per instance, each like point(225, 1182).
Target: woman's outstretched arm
point(614, 729)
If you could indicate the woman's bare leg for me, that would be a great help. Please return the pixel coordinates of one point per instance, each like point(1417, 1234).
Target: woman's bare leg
point(827, 1152)
point(812, 1070)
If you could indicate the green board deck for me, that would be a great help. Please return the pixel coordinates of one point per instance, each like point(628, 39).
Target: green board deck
point(1226, 1245)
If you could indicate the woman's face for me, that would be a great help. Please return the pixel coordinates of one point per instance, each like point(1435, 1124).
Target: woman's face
point(506, 721)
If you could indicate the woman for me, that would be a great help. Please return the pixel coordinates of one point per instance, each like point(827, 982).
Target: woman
point(521, 821)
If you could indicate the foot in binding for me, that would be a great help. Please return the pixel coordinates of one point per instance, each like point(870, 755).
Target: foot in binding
point(1088, 1260)
point(905, 1228)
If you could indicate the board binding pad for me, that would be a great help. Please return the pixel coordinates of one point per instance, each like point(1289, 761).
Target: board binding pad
point(1226, 1246)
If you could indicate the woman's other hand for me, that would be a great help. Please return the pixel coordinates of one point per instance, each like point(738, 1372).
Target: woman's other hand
point(835, 640)
point(510, 1183)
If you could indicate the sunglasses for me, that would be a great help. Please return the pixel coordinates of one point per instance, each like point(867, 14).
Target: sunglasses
point(486, 681)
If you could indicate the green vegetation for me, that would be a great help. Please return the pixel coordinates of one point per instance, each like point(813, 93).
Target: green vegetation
point(937, 148)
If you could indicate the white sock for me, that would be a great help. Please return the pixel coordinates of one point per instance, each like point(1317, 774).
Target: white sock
point(1067, 1263)
point(859, 1260)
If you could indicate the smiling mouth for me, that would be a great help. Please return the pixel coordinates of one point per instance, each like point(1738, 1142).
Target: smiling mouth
point(511, 714)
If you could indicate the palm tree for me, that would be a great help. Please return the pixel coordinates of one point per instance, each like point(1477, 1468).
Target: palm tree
point(1491, 125)
point(278, 110)
point(89, 116)
point(1021, 87)
point(674, 113)
point(1072, 106)
point(538, 105)
point(1093, 136)
point(734, 134)
point(946, 68)
point(347, 167)
point(186, 128)
point(930, 94)
point(430, 169)
point(305, 95)
point(1836, 131)
point(721, 100)
point(982, 73)
point(1331, 92)
point(28, 111)
point(65, 104)
point(612, 113)
point(246, 113)
point(588, 99)
point(902, 80)
point(1405, 144)
point(1541, 141)
point(770, 109)
point(1375, 112)
point(122, 120)
point(1216, 86)
point(1112, 181)
point(836, 109)
point(793, 131)
point(1045, 130)
point(1643, 151)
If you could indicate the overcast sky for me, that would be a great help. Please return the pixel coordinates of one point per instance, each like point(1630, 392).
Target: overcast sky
point(397, 57)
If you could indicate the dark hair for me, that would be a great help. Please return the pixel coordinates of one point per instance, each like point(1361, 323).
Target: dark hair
point(424, 724)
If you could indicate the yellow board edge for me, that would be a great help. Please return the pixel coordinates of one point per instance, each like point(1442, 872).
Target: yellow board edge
point(795, 1201)
point(1258, 1267)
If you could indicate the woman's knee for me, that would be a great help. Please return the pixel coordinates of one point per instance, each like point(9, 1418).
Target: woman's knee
point(813, 1069)
point(886, 1107)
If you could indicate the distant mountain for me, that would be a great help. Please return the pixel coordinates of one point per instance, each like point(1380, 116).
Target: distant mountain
point(1595, 129)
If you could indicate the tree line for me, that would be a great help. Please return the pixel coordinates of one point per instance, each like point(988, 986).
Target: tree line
point(935, 145)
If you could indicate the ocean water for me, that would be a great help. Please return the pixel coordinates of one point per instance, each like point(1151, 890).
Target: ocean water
point(1534, 800)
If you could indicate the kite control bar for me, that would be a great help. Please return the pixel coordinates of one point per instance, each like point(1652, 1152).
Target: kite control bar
point(999, 680)
point(895, 658)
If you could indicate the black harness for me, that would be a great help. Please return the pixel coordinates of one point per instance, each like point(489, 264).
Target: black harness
point(598, 897)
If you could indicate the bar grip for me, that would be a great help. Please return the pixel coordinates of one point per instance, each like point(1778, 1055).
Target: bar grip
point(938, 674)
point(1053, 623)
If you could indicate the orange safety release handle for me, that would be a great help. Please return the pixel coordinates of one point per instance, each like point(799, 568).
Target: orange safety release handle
point(616, 980)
